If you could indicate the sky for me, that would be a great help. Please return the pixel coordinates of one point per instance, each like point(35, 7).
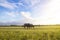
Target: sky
point(44, 12)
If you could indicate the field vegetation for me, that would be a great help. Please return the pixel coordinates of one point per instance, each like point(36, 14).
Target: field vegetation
point(46, 32)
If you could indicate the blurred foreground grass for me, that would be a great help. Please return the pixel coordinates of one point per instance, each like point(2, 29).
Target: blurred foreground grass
point(37, 33)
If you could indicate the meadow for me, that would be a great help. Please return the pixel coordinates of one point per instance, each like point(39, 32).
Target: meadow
point(46, 32)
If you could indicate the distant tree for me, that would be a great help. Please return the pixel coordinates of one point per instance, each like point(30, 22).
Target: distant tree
point(13, 25)
point(28, 25)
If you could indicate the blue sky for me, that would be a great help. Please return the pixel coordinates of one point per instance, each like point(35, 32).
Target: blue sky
point(10, 10)
point(16, 10)
point(30, 11)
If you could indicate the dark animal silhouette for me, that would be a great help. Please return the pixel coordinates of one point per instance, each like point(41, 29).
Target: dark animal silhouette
point(28, 25)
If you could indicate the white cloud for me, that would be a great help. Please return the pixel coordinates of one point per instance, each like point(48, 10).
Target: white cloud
point(11, 14)
point(29, 18)
point(26, 15)
point(7, 4)
point(50, 12)
point(46, 13)
point(31, 3)
point(10, 17)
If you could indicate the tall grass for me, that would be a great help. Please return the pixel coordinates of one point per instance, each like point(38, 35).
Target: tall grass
point(42, 33)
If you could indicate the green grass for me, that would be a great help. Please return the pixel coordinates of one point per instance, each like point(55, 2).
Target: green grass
point(37, 33)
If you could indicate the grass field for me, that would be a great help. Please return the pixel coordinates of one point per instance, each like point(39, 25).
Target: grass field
point(37, 33)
